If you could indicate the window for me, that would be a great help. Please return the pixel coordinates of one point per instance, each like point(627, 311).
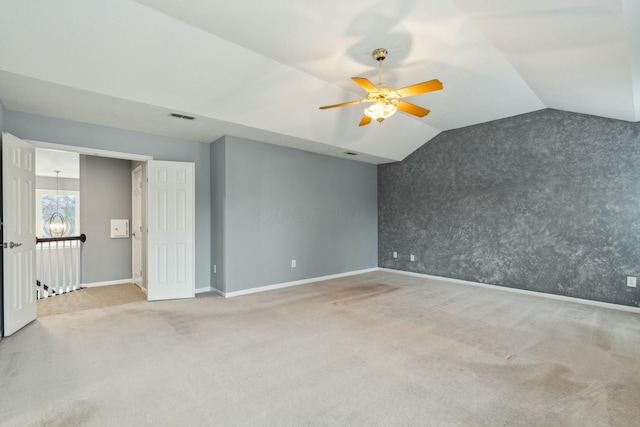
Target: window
point(67, 203)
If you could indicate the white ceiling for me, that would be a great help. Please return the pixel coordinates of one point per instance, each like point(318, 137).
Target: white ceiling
point(50, 161)
point(260, 70)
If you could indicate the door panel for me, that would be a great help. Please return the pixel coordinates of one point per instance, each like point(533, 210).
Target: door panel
point(19, 237)
point(171, 228)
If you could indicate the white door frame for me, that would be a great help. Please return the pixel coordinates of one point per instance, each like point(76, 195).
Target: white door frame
point(138, 229)
point(133, 157)
point(90, 151)
point(103, 153)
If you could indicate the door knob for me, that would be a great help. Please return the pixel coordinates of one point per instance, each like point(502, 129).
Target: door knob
point(14, 245)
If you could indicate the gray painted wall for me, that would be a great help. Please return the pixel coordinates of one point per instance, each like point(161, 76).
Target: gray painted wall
point(105, 194)
point(218, 183)
point(547, 201)
point(39, 128)
point(283, 204)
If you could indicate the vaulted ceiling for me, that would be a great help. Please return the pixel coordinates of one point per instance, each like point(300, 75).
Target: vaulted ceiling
point(260, 70)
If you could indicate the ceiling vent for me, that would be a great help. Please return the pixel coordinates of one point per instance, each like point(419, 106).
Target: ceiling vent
point(182, 116)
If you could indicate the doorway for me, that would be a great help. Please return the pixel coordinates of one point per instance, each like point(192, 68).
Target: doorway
point(168, 226)
point(101, 191)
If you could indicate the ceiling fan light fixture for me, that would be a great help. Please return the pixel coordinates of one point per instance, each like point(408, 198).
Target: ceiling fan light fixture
point(386, 99)
point(381, 110)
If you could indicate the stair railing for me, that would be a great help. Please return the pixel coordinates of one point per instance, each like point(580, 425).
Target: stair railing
point(58, 264)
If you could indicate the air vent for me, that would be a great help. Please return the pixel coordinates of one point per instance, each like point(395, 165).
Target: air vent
point(351, 153)
point(182, 116)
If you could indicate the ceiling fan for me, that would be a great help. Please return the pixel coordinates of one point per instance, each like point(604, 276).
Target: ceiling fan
point(387, 100)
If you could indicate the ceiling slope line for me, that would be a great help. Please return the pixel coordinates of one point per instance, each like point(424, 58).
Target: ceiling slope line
point(631, 18)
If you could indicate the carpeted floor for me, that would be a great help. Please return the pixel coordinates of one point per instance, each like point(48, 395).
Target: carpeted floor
point(379, 349)
point(90, 298)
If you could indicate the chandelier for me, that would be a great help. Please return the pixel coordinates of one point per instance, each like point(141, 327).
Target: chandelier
point(56, 225)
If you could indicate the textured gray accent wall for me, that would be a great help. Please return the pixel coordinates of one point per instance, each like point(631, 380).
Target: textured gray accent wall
point(40, 128)
point(283, 204)
point(547, 201)
point(105, 194)
point(218, 184)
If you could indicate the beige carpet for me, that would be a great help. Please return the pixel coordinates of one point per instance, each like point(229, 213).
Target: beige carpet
point(379, 349)
point(90, 298)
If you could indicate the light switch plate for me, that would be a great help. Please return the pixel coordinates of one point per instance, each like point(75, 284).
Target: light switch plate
point(119, 228)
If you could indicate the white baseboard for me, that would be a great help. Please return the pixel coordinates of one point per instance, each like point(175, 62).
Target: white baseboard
point(289, 284)
point(217, 291)
point(109, 283)
point(518, 291)
point(202, 290)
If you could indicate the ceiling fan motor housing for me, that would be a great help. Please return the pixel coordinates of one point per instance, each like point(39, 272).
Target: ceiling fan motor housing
point(380, 54)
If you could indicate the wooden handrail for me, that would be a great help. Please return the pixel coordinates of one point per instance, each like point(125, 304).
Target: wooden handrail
point(82, 238)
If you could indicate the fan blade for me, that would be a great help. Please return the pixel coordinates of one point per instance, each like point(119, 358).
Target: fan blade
point(365, 120)
point(412, 109)
point(344, 104)
point(419, 88)
point(365, 84)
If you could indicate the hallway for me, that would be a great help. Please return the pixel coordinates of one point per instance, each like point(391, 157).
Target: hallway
point(90, 298)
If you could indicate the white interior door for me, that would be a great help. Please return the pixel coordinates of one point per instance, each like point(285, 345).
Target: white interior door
point(170, 230)
point(136, 227)
point(19, 237)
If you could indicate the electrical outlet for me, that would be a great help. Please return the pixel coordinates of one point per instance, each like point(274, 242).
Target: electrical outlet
point(214, 269)
point(631, 281)
point(293, 263)
point(395, 254)
point(412, 257)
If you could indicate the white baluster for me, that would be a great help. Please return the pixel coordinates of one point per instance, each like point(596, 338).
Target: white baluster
point(58, 287)
point(77, 264)
point(72, 285)
point(65, 284)
point(50, 288)
point(69, 263)
point(40, 293)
